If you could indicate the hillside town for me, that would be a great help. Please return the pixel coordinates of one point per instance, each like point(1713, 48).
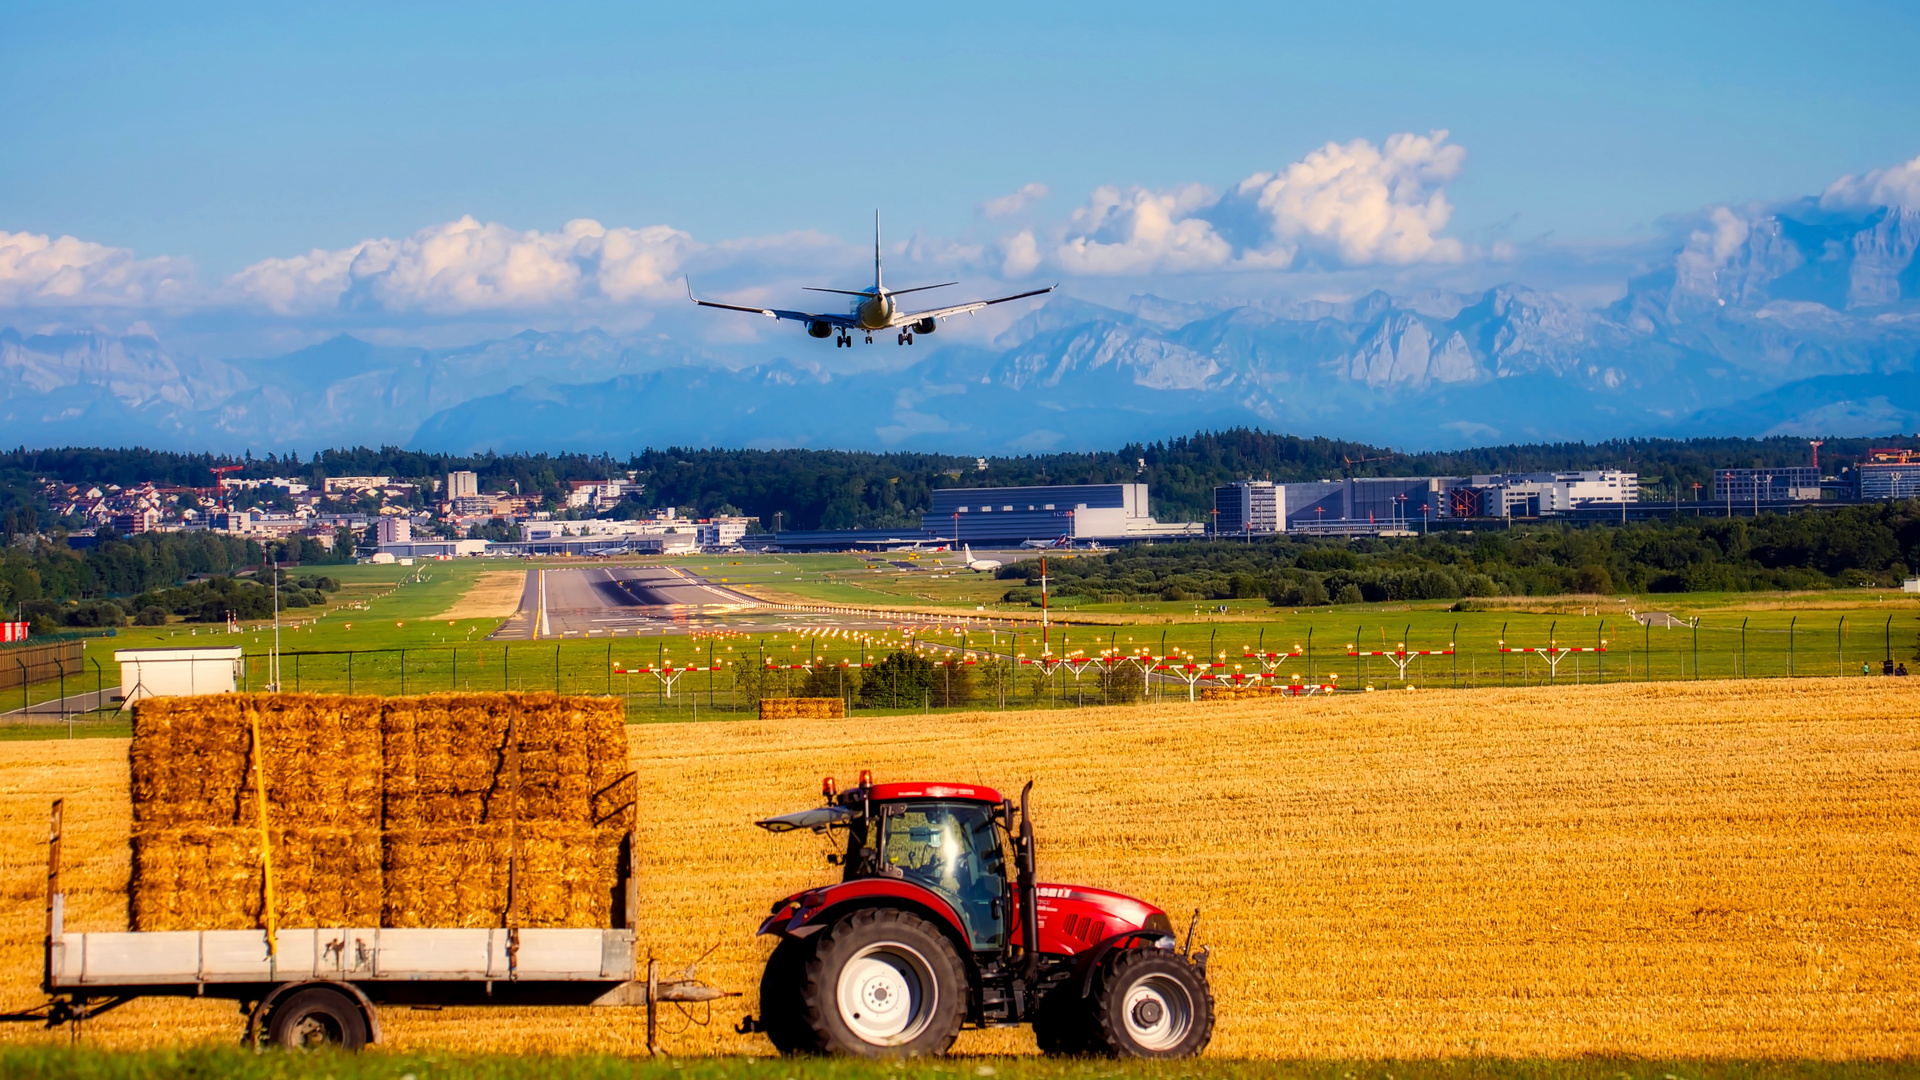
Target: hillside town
point(389, 518)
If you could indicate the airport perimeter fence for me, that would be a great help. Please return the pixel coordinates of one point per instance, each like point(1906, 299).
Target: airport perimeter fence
point(704, 681)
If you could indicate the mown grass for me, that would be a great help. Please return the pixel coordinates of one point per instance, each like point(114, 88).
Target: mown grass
point(235, 1064)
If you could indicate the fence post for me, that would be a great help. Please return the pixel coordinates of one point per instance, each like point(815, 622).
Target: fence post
point(1790, 623)
point(99, 684)
point(556, 669)
point(403, 672)
point(1600, 652)
point(1889, 639)
point(350, 653)
point(456, 668)
point(1696, 648)
point(1840, 644)
point(1743, 648)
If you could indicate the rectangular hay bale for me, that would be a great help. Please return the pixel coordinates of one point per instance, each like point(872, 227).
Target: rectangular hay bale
point(388, 811)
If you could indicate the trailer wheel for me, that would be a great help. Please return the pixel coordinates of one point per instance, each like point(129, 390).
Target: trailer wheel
point(1152, 1004)
point(884, 983)
point(783, 1013)
point(1063, 1024)
point(312, 1019)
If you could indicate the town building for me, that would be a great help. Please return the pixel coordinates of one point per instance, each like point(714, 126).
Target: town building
point(1888, 474)
point(393, 530)
point(1249, 508)
point(462, 484)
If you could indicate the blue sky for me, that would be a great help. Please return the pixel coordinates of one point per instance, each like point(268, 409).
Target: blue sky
point(220, 136)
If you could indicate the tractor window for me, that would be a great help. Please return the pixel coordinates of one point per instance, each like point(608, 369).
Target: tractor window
point(953, 849)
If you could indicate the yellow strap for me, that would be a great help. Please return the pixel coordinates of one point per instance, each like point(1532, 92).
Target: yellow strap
point(266, 845)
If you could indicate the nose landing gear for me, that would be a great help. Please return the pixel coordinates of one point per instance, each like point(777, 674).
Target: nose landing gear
point(869, 339)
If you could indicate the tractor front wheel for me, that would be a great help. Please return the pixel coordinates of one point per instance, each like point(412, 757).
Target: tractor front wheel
point(1152, 1004)
point(884, 983)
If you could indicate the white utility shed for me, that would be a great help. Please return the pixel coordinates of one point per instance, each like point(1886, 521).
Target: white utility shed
point(177, 672)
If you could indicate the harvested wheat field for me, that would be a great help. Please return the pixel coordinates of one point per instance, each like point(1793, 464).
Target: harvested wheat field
point(1723, 870)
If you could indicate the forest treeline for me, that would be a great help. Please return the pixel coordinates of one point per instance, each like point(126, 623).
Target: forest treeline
point(191, 574)
point(1863, 545)
point(835, 489)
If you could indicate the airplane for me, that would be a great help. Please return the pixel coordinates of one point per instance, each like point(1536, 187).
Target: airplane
point(1064, 541)
point(873, 310)
point(979, 565)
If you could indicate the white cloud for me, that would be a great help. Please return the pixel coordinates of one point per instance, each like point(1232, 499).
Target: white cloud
point(1138, 231)
point(1360, 204)
point(1707, 249)
point(465, 266)
point(1898, 185)
point(1014, 203)
point(37, 270)
point(1019, 255)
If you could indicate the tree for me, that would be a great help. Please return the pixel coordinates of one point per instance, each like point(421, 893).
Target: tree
point(900, 680)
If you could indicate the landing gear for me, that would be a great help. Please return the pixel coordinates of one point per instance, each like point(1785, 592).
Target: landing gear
point(844, 341)
point(869, 339)
point(903, 338)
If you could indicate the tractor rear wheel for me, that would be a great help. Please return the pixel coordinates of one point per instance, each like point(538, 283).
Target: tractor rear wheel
point(1152, 1004)
point(783, 1015)
point(884, 983)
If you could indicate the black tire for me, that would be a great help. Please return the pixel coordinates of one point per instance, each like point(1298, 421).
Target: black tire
point(872, 964)
point(783, 1014)
point(1150, 1003)
point(316, 1019)
point(1063, 1024)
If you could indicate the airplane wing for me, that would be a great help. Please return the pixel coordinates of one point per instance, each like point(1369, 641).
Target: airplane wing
point(961, 309)
point(845, 321)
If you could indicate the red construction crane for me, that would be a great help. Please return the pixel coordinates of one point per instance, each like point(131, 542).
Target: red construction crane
point(220, 480)
point(1816, 444)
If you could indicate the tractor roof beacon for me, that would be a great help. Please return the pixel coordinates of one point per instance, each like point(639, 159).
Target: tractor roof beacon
point(926, 932)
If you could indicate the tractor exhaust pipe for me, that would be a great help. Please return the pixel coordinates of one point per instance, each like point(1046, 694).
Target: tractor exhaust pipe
point(1029, 891)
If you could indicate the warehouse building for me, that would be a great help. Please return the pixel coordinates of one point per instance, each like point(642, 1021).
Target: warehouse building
point(997, 515)
point(1766, 485)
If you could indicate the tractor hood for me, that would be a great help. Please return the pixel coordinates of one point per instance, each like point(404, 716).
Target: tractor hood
point(1074, 918)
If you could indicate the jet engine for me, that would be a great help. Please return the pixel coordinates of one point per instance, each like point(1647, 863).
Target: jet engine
point(924, 326)
point(820, 328)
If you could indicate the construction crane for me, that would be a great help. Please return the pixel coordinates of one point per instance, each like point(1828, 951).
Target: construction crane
point(1816, 444)
point(220, 480)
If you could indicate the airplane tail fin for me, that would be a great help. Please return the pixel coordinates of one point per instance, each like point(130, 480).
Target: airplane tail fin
point(877, 286)
point(968, 549)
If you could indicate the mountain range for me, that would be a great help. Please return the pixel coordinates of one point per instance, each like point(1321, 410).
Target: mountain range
point(1798, 320)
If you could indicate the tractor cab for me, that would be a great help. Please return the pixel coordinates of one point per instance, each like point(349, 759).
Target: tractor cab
point(927, 930)
point(949, 839)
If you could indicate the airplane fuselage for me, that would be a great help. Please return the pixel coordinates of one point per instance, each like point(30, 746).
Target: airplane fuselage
point(875, 312)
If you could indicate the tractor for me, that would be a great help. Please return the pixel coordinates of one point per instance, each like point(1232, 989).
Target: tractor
point(925, 932)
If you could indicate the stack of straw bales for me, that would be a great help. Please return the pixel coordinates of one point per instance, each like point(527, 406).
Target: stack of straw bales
point(802, 708)
point(445, 810)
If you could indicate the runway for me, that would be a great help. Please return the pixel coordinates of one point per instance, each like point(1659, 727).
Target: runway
point(601, 599)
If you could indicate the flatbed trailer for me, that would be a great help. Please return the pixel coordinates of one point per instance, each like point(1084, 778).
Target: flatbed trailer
point(306, 987)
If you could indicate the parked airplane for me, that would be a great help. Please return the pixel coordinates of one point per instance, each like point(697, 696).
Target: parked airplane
point(873, 310)
point(1063, 541)
point(978, 565)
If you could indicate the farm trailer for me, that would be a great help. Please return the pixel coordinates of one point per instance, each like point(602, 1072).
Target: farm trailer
point(312, 987)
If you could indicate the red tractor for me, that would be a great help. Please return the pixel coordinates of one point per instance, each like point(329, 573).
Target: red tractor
point(925, 932)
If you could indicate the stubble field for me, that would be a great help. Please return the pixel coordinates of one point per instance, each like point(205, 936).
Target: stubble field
point(1717, 870)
